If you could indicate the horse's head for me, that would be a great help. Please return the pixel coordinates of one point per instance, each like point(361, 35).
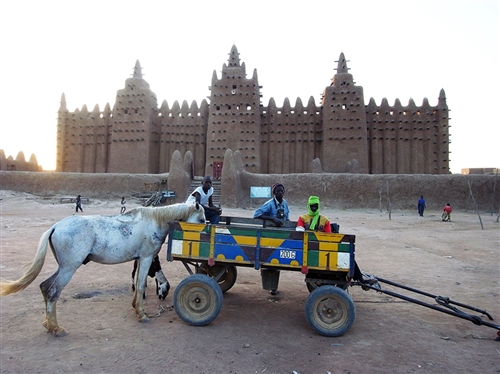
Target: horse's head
point(162, 285)
point(163, 289)
point(196, 214)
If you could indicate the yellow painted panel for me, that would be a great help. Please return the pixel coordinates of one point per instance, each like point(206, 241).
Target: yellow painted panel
point(328, 246)
point(327, 260)
point(271, 242)
point(192, 226)
point(190, 248)
point(245, 240)
point(327, 237)
point(189, 235)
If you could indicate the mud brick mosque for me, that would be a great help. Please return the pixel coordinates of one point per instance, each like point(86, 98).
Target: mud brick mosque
point(342, 134)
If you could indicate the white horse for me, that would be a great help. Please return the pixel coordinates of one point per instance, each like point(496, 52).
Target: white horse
point(76, 240)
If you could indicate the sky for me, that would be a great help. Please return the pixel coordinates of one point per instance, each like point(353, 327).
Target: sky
point(395, 49)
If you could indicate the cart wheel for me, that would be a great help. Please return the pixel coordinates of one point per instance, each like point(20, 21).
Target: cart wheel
point(226, 281)
point(330, 311)
point(198, 300)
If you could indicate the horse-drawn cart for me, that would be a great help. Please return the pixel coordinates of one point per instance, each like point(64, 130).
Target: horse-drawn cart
point(211, 254)
point(216, 250)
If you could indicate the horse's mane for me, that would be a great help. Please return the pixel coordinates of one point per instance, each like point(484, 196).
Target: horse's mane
point(167, 213)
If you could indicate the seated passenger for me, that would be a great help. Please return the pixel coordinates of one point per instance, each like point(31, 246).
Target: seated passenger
point(314, 221)
point(203, 196)
point(276, 209)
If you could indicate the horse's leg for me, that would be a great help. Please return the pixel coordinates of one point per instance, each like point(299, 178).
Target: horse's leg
point(140, 287)
point(133, 275)
point(133, 278)
point(51, 289)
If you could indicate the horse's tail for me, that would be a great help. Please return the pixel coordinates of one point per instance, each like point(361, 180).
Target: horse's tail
point(9, 287)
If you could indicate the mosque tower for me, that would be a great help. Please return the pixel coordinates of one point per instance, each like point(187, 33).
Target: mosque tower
point(345, 145)
point(234, 119)
point(135, 131)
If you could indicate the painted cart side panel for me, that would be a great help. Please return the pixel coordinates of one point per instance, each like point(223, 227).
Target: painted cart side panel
point(268, 247)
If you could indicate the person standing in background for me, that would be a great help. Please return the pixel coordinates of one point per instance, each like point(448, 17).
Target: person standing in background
point(124, 208)
point(421, 206)
point(275, 210)
point(447, 213)
point(79, 203)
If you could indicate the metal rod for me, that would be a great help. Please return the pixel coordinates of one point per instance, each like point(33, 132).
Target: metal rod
point(442, 298)
point(474, 319)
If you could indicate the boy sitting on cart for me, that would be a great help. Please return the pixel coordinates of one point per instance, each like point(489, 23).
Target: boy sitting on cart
point(316, 222)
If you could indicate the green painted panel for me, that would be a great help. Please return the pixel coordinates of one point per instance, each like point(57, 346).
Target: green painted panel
point(275, 234)
point(205, 249)
point(178, 235)
point(242, 232)
point(343, 247)
point(312, 258)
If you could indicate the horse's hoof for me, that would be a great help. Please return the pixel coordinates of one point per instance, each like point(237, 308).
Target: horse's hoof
point(59, 332)
point(144, 318)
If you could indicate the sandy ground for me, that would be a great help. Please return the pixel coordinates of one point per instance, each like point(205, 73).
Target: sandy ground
point(256, 332)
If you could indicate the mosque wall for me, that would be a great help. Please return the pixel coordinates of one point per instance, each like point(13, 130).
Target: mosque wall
point(347, 136)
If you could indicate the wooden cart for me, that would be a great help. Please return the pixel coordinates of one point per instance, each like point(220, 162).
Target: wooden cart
point(212, 253)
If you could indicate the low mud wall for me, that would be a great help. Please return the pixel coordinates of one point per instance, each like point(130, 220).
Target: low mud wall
point(358, 191)
point(339, 191)
point(103, 186)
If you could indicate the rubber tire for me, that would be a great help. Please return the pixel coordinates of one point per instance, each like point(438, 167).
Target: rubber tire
point(226, 281)
point(330, 311)
point(198, 300)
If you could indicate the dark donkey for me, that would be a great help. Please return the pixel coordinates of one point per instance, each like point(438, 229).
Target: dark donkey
point(162, 285)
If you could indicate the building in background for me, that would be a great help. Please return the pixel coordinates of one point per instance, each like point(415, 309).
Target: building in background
point(344, 134)
point(20, 163)
point(480, 171)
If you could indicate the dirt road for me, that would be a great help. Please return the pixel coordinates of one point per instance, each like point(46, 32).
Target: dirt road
point(256, 332)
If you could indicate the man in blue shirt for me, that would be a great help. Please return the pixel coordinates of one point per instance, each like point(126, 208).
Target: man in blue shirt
point(421, 206)
point(276, 209)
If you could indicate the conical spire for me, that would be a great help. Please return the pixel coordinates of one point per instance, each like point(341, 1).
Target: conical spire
point(137, 70)
point(442, 95)
point(342, 64)
point(234, 57)
point(33, 159)
point(20, 157)
point(442, 99)
point(62, 107)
